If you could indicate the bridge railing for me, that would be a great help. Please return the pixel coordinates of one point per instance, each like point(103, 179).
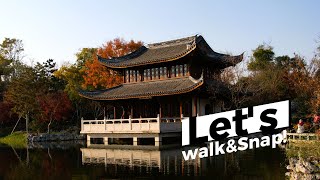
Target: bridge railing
point(303, 136)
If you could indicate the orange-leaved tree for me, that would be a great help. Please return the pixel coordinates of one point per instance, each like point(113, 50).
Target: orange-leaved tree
point(96, 75)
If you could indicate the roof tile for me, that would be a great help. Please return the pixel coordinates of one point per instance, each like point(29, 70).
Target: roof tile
point(145, 89)
point(170, 51)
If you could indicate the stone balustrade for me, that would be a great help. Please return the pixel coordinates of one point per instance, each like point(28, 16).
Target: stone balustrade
point(132, 125)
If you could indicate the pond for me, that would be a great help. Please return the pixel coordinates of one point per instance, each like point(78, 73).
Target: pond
point(81, 162)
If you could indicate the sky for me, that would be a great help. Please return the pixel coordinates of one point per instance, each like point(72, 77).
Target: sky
point(58, 29)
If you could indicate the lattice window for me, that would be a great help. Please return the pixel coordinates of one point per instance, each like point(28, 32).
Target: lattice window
point(177, 71)
point(180, 70)
point(145, 75)
point(153, 73)
point(185, 69)
point(127, 75)
point(156, 73)
point(138, 76)
point(173, 71)
point(161, 72)
point(131, 76)
point(149, 74)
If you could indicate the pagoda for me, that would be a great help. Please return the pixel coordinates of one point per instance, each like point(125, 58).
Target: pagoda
point(161, 83)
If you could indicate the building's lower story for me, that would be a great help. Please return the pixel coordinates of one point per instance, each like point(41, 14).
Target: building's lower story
point(154, 121)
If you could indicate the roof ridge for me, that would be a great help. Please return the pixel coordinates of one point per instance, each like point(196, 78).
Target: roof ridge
point(185, 40)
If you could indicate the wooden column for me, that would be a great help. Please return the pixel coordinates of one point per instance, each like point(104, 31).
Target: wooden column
point(131, 113)
point(180, 109)
point(169, 109)
point(194, 102)
point(199, 107)
point(114, 112)
point(160, 113)
point(188, 70)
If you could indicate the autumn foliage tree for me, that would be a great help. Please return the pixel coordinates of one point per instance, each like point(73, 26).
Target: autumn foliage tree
point(97, 75)
point(6, 116)
point(54, 106)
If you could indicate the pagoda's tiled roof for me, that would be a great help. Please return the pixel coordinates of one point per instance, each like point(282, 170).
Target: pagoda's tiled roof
point(169, 51)
point(222, 60)
point(145, 89)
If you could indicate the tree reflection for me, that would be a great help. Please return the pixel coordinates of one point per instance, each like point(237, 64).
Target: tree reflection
point(263, 163)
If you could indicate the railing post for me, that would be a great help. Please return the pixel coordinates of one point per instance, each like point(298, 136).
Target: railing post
point(81, 123)
point(105, 123)
point(130, 125)
point(158, 121)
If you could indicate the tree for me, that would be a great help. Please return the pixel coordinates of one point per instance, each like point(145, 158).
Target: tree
point(88, 73)
point(45, 76)
point(34, 90)
point(314, 68)
point(86, 54)
point(11, 49)
point(6, 116)
point(11, 54)
point(54, 106)
point(73, 79)
point(262, 57)
point(22, 92)
point(283, 77)
point(96, 75)
point(268, 76)
point(240, 87)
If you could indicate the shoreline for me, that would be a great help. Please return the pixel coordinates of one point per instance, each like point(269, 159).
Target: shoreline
point(21, 139)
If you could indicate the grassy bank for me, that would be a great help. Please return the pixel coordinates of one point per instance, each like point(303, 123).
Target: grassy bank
point(16, 140)
point(303, 149)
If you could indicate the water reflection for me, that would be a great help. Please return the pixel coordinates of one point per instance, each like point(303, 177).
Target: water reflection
point(254, 164)
point(147, 160)
point(37, 163)
point(80, 162)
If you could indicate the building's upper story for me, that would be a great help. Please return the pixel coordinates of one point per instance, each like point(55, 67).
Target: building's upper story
point(165, 68)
